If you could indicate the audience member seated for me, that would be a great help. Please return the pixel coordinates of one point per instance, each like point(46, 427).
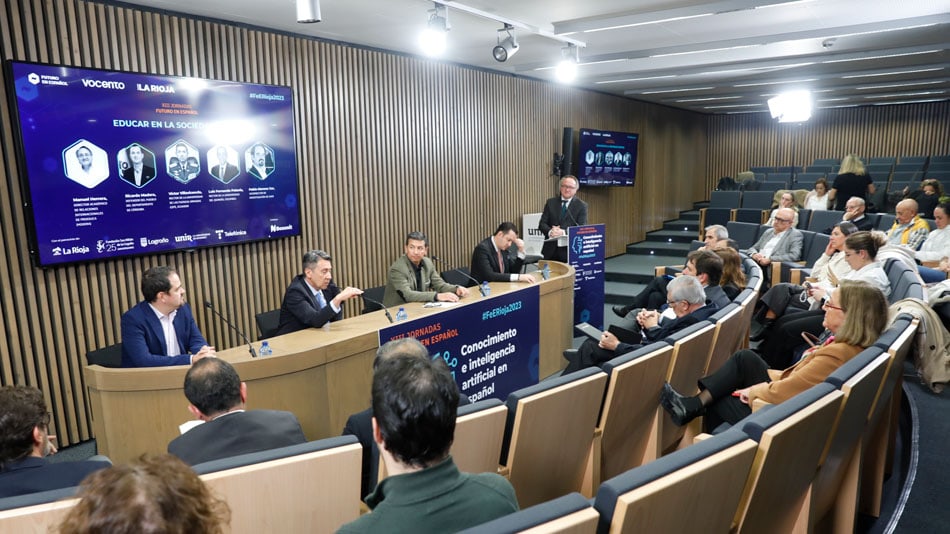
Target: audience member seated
point(415, 401)
point(685, 296)
point(781, 242)
point(155, 493)
point(854, 213)
point(25, 443)
point(733, 278)
point(817, 198)
point(161, 330)
point(784, 298)
point(361, 424)
point(787, 201)
point(908, 229)
point(927, 196)
point(653, 296)
point(852, 181)
point(861, 251)
point(703, 264)
point(224, 428)
point(312, 299)
point(856, 316)
point(936, 248)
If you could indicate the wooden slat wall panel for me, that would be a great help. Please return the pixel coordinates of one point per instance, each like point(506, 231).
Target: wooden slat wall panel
point(737, 142)
point(386, 144)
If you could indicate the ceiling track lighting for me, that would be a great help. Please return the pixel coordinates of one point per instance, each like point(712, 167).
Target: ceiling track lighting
point(506, 48)
point(432, 40)
point(308, 11)
point(566, 70)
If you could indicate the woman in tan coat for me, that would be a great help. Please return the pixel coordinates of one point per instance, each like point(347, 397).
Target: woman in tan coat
point(856, 314)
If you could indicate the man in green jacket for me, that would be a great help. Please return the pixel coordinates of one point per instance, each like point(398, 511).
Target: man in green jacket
point(414, 278)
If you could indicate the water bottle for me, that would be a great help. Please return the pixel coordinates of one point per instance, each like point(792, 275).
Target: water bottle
point(265, 350)
point(486, 289)
point(546, 272)
point(401, 314)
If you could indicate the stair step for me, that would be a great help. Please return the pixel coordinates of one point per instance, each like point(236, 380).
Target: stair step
point(682, 225)
point(620, 293)
point(671, 236)
point(659, 248)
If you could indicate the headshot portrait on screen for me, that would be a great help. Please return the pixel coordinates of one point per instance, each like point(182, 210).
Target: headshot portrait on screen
point(222, 164)
point(136, 165)
point(259, 160)
point(86, 164)
point(183, 164)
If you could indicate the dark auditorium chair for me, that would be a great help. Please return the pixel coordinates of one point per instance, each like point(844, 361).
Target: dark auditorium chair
point(459, 277)
point(804, 217)
point(39, 497)
point(721, 204)
point(744, 233)
point(885, 221)
point(657, 497)
point(110, 356)
point(570, 513)
point(373, 293)
point(267, 323)
point(820, 220)
point(755, 206)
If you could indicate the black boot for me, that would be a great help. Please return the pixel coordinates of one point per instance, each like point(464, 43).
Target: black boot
point(620, 311)
point(681, 409)
point(763, 330)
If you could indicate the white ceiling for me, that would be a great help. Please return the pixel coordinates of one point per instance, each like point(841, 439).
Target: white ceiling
point(722, 56)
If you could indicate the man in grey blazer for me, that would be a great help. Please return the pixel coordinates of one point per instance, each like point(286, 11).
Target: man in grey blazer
point(414, 278)
point(217, 398)
point(782, 242)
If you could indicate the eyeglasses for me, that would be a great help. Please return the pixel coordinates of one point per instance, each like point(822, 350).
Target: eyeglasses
point(827, 305)
point(672, 303)
point(781, 220)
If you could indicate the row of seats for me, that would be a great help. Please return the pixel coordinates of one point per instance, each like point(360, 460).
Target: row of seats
point(880, 168)
point(563, 436)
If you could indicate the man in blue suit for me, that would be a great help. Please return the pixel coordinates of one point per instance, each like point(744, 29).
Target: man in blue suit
point(25, 442)
point(685, 297)
point(161, 330)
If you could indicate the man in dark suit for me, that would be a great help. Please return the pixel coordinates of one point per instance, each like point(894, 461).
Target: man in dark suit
point(312, 299)
point(261, 164)
point(685, 297)
point(361, 424)
point(493, 261)
point(138, 173)
point(161, 330)
point(559, 213)
point(854, 213)
point(25, 442)
point(705, 265)
point(224, 171)
point(217, 398)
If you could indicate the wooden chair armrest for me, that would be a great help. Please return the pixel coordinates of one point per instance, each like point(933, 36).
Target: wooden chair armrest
point(701, 437)
point(931, 264)
point(758, 404)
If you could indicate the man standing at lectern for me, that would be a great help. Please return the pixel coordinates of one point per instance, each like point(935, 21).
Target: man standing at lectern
point(494, 261)
point(161, 330)
point(559, 213)
point(312, 299)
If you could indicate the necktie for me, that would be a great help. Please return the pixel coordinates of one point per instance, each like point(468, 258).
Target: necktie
point(563, 208)
point(321, 302)
point(501, 264)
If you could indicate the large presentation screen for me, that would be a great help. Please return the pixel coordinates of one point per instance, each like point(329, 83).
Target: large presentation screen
point(117, 163)
point(607, 158)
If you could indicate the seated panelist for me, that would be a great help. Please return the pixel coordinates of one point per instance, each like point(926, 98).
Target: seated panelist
point(312, 299)
point(414, 278)
point(161, 330)
point(493, 261)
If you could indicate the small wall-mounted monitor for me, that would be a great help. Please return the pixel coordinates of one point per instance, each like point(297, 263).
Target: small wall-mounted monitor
point(118, 163)
point(607, 158)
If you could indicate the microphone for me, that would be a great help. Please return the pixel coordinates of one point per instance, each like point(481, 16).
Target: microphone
point(463, 273)
point(380, 304)
point(250, 347)
point(571, 215)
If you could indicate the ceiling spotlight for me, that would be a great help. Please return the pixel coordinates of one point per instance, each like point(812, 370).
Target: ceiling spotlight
point(793, 106)
point(432, 40)
point(507, 47)
point(308, 11)
point(566, 70)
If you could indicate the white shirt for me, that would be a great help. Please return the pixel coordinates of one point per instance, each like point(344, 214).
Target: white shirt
point(168, 327)
point(816, 203)
point(936, 247)
point(513, 276)
point(873, 274)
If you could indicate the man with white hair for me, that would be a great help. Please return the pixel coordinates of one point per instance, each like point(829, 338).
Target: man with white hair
point(684, 295)
point(781, 242)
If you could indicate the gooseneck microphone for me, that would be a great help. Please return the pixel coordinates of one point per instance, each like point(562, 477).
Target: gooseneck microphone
point(463, 273)
point(250, 348)
point(380, 304)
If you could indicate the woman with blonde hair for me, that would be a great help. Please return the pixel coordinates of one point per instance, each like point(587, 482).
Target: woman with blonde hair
point(852, 181)
point(856, 314)
point(154, 494)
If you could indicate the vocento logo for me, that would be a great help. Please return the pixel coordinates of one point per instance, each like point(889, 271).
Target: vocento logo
point(103, 84)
